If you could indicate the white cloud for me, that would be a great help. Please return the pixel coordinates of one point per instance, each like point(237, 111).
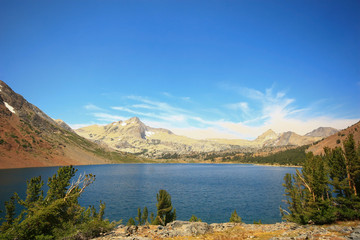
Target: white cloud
point(93, 107)
point(243, 106)
point(105, 117)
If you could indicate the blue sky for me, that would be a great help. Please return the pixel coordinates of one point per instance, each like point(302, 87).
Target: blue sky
point(200, 68)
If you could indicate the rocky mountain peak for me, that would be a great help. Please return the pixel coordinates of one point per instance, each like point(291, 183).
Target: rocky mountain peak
point(268, 135)
point(134, 120)
point(322, 132)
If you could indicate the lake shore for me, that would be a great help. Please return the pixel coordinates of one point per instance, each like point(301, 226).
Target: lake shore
point(182, 230)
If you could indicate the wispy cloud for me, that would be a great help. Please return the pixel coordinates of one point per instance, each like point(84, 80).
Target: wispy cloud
point(243, 106)
point(93, 107)
point(105, 117)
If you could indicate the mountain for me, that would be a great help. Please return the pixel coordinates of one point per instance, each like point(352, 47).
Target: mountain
point(30, 138)
point(134, 136)
point(336, 140)
point(322, 132)
point(291, 138)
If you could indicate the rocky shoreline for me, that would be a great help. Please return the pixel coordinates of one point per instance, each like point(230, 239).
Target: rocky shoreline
point(202, 230)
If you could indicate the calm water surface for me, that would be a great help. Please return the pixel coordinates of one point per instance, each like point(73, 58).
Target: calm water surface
point(210, 191)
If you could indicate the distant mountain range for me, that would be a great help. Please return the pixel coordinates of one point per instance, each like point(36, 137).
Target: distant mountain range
point(134, 136)
point(30, 138)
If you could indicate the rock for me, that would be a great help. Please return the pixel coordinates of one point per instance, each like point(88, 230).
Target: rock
point(216, 227)
point(355, 234)
point(184, 228)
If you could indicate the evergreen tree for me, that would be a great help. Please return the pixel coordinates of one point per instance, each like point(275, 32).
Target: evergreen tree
point(152, 218)
point(10, 214)
point(145, 216)
point(337, 170)
point(352, 164)
point(164, 209)
point(101, 211)
point(59, 183)
point(139, 217)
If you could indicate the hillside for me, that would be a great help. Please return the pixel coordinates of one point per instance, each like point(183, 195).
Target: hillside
point(336, 139)
point(30, 138)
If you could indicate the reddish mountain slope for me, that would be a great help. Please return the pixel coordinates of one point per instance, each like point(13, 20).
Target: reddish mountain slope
point(336, 139)
point(30, 138)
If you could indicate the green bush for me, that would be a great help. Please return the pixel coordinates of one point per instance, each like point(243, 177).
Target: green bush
point(235, 217)
point(194, 219)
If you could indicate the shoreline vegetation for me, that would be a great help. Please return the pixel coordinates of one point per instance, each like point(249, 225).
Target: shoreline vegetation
point(322, 199)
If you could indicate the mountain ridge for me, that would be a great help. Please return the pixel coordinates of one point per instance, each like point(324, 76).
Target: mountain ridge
point(30, 138)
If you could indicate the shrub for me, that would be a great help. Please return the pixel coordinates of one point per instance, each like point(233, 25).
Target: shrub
point(194, 219)
point(131, 222)
point(235, 217)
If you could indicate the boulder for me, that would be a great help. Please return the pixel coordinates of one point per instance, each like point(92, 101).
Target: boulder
point(184, 228)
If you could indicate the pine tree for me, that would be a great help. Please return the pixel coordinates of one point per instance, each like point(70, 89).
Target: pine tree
point(139, 217)
point(164, 209)
point(352, 164)
point(152, 219)
point(59, 183)
point(9, 214)
point(145, 216)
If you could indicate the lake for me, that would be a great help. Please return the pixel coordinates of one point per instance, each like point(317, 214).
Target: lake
point(209, 191)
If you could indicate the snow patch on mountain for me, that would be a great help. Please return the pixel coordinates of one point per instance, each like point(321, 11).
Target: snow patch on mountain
point(11, 109)
point(148, 133)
